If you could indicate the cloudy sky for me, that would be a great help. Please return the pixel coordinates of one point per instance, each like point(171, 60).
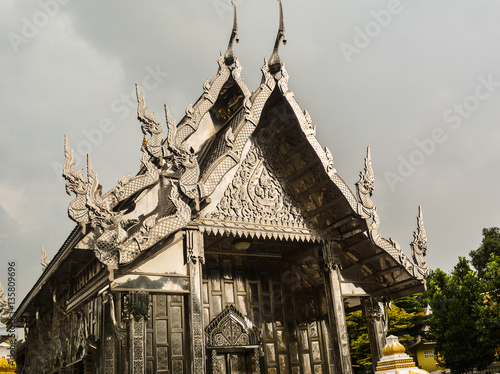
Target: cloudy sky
point(417, 81)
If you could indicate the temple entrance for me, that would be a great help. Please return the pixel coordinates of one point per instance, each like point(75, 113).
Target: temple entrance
point(233, 344)
point(232, 363)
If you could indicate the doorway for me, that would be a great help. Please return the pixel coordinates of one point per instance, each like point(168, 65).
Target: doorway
point(231, 363)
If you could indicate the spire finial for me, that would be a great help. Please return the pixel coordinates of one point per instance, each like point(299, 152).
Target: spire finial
point(275, 62)
point(44, 261)
point(364, 187)
point(419, 243)
point(229, 56)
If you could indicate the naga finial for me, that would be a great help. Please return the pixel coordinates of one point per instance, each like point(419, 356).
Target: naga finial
point(419, 243)
point(44, 261)
point(368, 176)
point(5, 308)
point(229, 55)
point(275, 62)
point(364, 187)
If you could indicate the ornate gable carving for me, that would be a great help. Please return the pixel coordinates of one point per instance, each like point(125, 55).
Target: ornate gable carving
point(232, 329)
point(256, 196)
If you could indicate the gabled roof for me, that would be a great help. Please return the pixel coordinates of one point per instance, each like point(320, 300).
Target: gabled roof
point(200, 157)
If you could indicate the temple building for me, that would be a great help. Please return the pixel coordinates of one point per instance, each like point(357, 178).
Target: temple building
point(236, 248)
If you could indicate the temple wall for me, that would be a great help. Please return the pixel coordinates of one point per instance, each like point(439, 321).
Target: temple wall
point(289, 311)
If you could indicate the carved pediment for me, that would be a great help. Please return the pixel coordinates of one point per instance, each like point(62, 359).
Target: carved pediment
point(232, 329)
point(255, 195)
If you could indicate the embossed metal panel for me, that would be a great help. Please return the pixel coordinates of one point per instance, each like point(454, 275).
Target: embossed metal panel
point(165, 335)
point(232, 363)
point(285, 307)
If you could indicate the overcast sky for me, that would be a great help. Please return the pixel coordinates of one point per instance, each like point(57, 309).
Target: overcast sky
point(418, 81)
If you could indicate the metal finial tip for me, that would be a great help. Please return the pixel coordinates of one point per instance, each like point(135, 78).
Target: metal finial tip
point(229, 55)
point(275, 62)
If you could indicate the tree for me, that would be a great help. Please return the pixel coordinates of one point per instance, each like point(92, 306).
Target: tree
point(358, 337)
point(486, 260)
point(490, 245)
point(404, 322)
point(461, 321)
point(492, 300)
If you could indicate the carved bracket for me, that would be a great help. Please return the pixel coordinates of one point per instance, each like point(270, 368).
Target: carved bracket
point(194, 245)
point(329, 256)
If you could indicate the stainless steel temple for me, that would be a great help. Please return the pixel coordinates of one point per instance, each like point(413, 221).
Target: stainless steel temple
point(236, 248)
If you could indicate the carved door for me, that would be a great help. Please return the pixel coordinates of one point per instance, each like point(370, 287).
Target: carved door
point(231, 363)
point(165, 335)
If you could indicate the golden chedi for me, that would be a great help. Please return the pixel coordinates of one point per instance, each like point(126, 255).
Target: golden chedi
point(7, 366)
point(395, 360)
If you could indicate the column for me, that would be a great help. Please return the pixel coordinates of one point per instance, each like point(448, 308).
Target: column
point(339, 336)
point(196, 259)
point(139, 308)
point(375, 317)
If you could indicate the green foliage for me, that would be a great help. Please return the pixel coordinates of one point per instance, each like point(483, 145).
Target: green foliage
point(491, 280)
point(358, 337)
point(489, 246)
point(404, 322)
point(465, 319)
point(401, 325)
point(461, 320)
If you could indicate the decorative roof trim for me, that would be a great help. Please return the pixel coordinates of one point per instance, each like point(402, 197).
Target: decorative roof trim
point(391, 246)
point(324, 155)
point(364, 208)
point(256, 230)
point(238, 137)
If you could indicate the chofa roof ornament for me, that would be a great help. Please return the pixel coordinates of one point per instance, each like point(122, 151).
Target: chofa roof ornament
point(275, 63)
point(365, 186)
point(229, 55)
point(44, 261)
point(5, 308)
point(419, 244)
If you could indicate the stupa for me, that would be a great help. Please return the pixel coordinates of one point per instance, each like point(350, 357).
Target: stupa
point(395, 360)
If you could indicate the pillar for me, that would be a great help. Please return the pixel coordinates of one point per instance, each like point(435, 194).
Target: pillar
point(196, 259)
point(341, 360)
point(375, 317)
point(139, 308)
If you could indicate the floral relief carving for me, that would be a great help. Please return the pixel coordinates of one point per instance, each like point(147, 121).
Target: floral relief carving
point(255, 195)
